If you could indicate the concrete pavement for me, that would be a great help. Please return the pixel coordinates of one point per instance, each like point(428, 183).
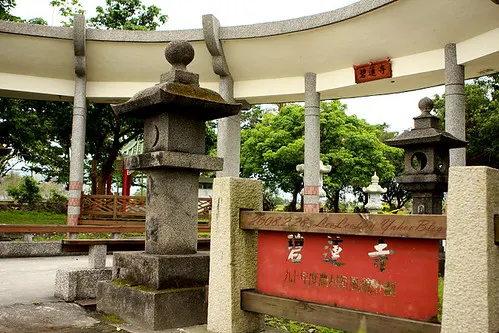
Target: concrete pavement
point(28, 280)
point(28, 305)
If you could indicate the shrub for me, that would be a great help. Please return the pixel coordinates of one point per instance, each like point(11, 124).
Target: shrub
point(27, 192)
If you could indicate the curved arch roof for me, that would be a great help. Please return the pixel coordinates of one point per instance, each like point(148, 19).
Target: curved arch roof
point(267, 61)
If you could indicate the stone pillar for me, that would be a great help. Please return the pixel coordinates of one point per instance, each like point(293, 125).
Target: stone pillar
point(229, 129)
point(471, 289)
point(229, 134)
point(455, 103)
point(233, 255)
point(79, 123)
point(311, 177)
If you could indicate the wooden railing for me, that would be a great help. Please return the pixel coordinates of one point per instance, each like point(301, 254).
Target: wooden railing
point(108, 213)
point(131, 210)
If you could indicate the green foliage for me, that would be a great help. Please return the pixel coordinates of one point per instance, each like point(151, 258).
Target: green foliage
point(296, 327)
point(56, 198)
point(106, 135)
point(38, 132)
point(5, 7)
point(28, 191)
point(440, 298)
point(273, 147)
point(211, 138)
point(68, 9)
point(128, 15)
point(354, 150)
point(273, 144)
point(482, 120)
point(117, 14)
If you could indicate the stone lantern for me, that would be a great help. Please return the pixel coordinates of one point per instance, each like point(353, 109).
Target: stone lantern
point(374, 192)
point(426, 160)
point(164, 287)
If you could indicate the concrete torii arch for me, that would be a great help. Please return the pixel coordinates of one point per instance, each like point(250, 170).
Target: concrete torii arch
point(430, 42)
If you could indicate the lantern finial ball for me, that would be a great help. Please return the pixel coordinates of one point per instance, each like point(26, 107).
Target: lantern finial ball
point(179, 53)
point(425, 105)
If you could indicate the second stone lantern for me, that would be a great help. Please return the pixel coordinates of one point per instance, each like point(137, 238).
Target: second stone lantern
point(171, 274)
point(426, 160)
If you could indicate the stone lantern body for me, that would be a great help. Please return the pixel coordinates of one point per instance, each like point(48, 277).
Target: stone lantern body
point(426, 160)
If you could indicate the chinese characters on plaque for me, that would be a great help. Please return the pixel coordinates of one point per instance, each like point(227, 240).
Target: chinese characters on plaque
point(333, 249)
point(373, 71)
point(367, 273)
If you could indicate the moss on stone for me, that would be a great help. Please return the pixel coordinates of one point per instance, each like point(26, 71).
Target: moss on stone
point(193, 92)
point(131, 284)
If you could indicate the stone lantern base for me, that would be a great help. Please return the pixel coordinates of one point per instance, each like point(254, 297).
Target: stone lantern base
point(157, 291)
point(153, 309)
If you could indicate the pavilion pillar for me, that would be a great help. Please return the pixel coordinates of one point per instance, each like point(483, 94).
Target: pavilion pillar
point(229, 133)
point(455, 103)
point(229, 129)
point(311, 176)
point(79, 123)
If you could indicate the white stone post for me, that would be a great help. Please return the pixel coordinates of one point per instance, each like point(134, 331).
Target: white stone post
point(471, 285)
point(233, 256)
point(374, 192)
point(455, 122)
point(79, 123)
point(311, 176)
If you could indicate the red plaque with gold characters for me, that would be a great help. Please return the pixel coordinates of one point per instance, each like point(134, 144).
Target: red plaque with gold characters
point(373, 71)
point(386, 275)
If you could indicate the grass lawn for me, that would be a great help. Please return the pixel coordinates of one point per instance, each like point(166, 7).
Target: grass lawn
point(22, 217)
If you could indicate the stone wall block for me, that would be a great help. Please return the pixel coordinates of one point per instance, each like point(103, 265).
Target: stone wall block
point(471, 290)
point(233, 256)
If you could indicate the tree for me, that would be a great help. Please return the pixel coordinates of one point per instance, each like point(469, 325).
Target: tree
point(482, 120)
point(353, 149)
point(106, 133)
point(128, 15)
point(116, 15)
point(272, 149)
point(38, 133)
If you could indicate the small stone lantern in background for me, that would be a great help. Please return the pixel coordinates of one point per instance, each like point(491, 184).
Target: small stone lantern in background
point(426, 160)
point(374, 192)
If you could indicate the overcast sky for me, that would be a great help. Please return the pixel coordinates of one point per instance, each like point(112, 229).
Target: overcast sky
point(397, 110)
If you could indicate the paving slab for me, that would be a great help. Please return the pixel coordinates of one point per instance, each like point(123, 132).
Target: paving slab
point(58, 317)
point(27, 280)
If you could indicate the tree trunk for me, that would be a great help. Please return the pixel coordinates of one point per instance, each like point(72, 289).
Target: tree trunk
point(336, 201)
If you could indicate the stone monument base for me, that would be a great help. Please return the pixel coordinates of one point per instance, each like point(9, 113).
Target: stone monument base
point(153, 309)
point(157, 291)
point(158, 272)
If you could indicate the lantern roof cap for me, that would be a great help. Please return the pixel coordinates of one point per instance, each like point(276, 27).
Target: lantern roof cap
point(426, 131)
